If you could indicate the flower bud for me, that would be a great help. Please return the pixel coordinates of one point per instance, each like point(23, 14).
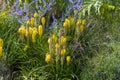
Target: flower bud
point(83, 22)
point(40, 30)
point(49, 40)
point(32, 21)
point(63, 52)
point(65, 24)
point(30, 30)
point(22, 30)
point(26, 48)
point(28, 22)
point(54, 38)
point(47, 58)
point(68, 22)
point(4, 15)
point(43, 21)
point(81, 28)
point(36, 15)
point(1, 42)
point(78, 22)
point(34, 34)
point(57, 45)
point(63, 40)
point(68, 59)
point(1, 52)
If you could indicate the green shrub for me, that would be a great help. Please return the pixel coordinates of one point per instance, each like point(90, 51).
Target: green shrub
point(104, 66)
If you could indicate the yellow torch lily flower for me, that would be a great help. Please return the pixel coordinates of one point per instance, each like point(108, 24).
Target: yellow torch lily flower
point(36, 15)
point(65, 24)
point(34, 34)
point(22, 30)
point(68, 59)
point(57, 45)
point(1, 52)
point(47, 58)
point(72, 20)
point(4, 15)
point(50, 45)
point(83, 21)
point(1, 42)
point(54, 38)
point(49, 40)
point(28, 22)
point(68, 22)
point(34, 29)
point(43, 21)
point(40, 30)
point(63, 52)
point(30, 30)
point(78, 22)
point(32, 21)
point(81, 28)
point(63, 40)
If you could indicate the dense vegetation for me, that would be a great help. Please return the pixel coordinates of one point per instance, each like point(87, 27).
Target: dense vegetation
point(60, 40)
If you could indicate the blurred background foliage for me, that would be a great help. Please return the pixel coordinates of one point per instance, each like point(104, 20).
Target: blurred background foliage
point(95, 52)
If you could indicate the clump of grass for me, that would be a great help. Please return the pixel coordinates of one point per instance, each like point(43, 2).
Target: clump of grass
point(103, 66)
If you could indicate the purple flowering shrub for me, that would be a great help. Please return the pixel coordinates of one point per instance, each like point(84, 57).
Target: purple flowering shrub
point(53, 10)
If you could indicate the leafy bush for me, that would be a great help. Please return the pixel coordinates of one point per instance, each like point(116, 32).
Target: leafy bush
point(103, 66)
